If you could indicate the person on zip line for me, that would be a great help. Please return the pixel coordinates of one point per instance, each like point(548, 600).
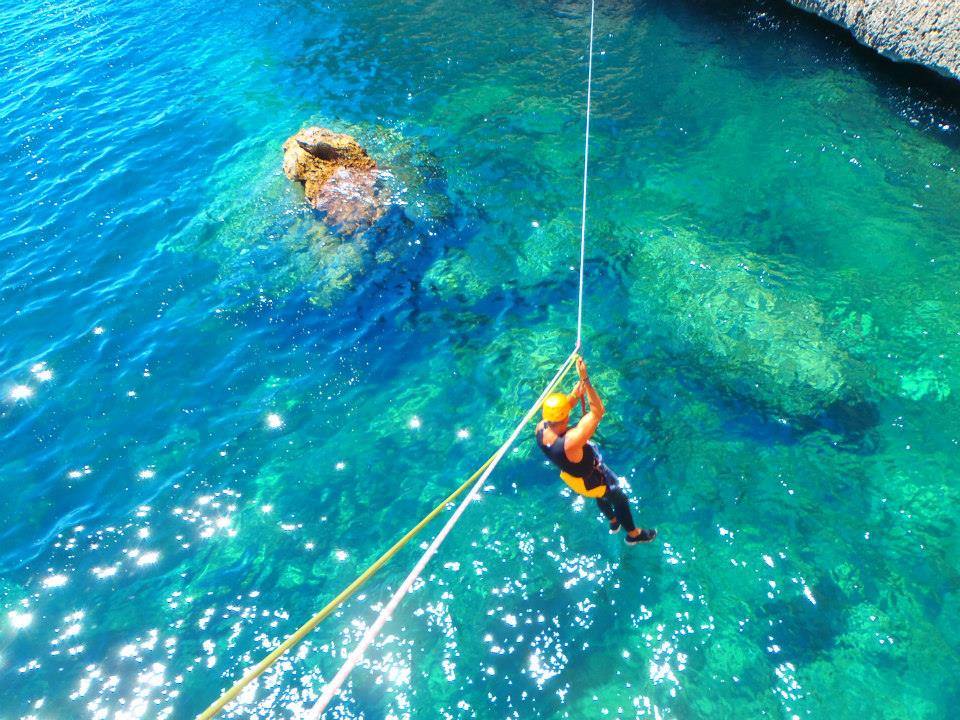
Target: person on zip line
point(581, 466)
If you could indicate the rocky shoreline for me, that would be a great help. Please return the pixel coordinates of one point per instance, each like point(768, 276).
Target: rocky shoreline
point(925, 32)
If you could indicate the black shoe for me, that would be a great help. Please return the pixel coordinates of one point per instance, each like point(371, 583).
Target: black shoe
point(614, 527)
point(645, 536)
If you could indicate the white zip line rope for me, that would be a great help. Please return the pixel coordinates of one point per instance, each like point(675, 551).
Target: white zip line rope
point(333, 687)
point(483, 472)
point(586, 164)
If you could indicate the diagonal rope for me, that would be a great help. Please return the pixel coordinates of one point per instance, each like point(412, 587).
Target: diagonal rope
point(586, 165)
point(477, 480)
point(333, 687)
point(482, 473)
point(257, 670)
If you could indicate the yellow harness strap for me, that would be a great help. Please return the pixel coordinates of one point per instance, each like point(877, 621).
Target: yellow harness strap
point(578, 486)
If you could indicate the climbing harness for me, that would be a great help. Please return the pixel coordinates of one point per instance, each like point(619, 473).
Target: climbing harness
point(584, 477)
point(579, 485)
point(475, 483)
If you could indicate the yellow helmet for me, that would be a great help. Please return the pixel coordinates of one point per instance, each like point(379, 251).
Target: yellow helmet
point(556, 407)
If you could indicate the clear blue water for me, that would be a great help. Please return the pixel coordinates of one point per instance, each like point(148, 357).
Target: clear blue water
point(772, 311)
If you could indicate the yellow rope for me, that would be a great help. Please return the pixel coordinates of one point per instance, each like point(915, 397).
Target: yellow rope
point(305, 629)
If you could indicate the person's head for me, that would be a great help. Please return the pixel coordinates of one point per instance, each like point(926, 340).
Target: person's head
point(556, 411)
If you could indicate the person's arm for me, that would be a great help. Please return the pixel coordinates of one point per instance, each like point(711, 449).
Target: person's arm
point(579, 390)
point(578, 436)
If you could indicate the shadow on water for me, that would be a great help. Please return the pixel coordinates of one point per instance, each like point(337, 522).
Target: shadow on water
point(851, 422)
point(379, 290)
point(809, 630)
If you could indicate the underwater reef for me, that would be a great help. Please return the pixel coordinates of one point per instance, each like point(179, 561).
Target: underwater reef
point(766, 340)
point(364, 214)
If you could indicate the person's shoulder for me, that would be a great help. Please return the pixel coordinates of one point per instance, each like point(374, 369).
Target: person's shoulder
point(541, 431)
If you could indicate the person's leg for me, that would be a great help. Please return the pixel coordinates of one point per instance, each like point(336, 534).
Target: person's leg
point(606, 508)
point(621, 508)
point(618, 500)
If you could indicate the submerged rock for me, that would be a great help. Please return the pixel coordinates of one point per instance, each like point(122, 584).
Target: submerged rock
point(339, 178)
point(766, 340)
point(920, 31)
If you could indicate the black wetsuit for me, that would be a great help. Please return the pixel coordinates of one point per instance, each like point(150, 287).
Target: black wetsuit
point(613, 503)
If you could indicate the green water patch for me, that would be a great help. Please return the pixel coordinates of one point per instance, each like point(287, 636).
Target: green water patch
point(542, 260)
point(767, 340)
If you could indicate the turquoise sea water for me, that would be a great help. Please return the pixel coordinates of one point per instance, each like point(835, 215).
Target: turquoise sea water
point(772, 312)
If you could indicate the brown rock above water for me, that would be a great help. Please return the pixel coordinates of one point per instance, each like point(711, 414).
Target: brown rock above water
point(339, 178)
